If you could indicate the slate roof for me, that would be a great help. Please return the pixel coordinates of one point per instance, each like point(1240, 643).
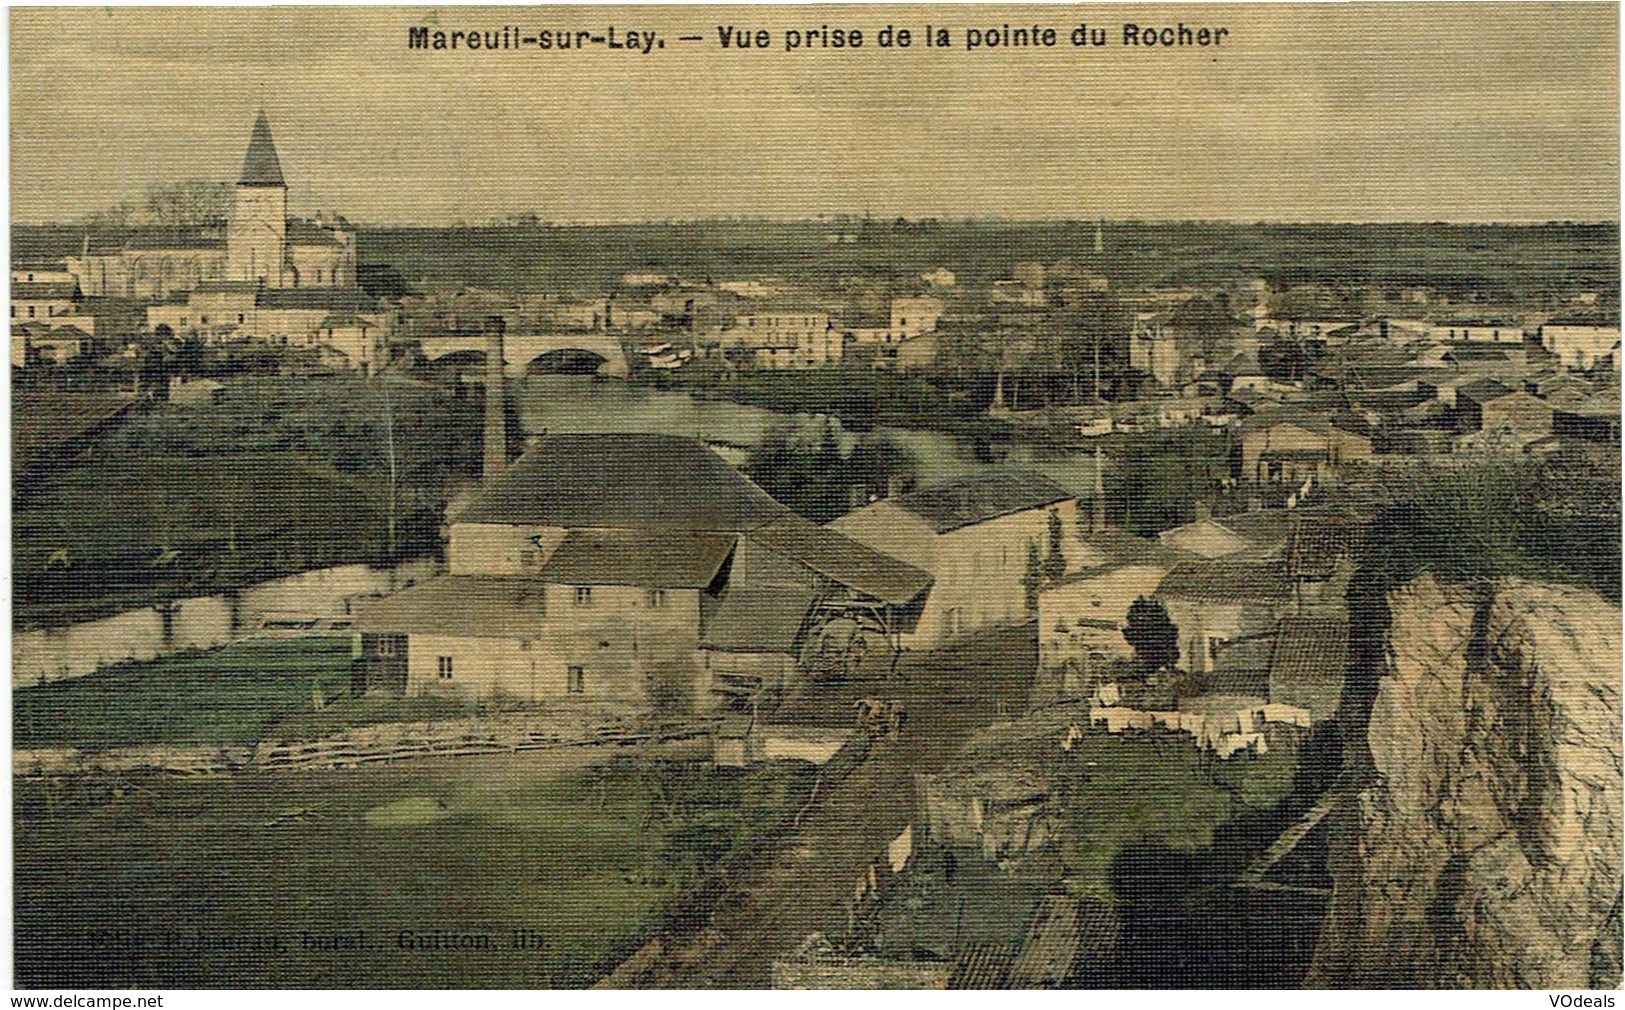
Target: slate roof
point(843, 560)
point(330, 299)
point(633, 482)
point(965, 502)
point(180, 239)
point(676, 559)
point(44, 291)
point(228, 287)
point(309, 233)
point(1483, 390)
point(1226, 581)
point(466, 606)
point(1311, 656)
point(260, 164)
point(758, 619)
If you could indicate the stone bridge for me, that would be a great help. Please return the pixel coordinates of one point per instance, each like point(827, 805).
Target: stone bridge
point(522, 351)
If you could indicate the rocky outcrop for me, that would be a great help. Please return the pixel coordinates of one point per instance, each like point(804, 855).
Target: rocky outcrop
point(1485, 848)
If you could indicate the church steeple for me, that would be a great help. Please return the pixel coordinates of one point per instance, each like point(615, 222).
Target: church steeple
point(260, 164)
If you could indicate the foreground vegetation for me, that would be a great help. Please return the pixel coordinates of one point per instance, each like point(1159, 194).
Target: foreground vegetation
point(228, 696)
point(311, 880)
point(283, 474)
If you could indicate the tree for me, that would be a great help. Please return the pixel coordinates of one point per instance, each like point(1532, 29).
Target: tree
point(1152, 634)
point(190, 203)
point(1055, 560)
point(1034, 575)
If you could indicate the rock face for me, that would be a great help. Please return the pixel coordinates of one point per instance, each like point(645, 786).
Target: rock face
point(1485, 850)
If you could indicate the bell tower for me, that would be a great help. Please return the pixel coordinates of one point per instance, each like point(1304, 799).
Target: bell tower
point(256, 239)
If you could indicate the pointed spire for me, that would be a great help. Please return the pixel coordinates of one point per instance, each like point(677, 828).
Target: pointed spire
point(260, 165)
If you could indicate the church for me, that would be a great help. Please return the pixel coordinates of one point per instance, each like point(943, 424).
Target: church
point(265, 276)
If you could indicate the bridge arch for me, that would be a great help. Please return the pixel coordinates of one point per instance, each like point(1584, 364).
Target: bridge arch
point(565, 361)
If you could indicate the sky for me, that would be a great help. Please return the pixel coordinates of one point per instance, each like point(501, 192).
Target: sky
point(1401, 112)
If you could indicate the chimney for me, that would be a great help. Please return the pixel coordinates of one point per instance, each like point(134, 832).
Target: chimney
point(496, 426)
point(1097, 501)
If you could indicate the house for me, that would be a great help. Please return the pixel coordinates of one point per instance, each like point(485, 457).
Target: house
point(1081, 615)
point(782, 337)
point(1214, 603)
point(1288, 445)
point(630, 569)
point(1517, 415)
point(43, 300)
point(1581, 345)
point(1477, 331)
point(972, 536)
point(1588, 418)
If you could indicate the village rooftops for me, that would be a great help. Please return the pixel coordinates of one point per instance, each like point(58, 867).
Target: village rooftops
point(1226, 581)
point(842, 559)
point(971, 500)
point(470, 606)
point(630, 482)
point(674, 559)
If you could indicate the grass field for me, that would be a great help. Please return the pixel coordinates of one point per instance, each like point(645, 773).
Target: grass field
point(282, 475)
point(226, 696)
point(309, 879)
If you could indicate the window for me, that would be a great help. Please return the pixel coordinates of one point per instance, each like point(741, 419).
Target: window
point(583, 596)
point(576, 680)
point(386, 645)
point(31, 312)
point(525, 645)
point(657, 598)
point(527, 559)
point(443, 667)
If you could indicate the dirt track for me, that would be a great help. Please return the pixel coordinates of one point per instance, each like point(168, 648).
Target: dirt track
point(805, 884)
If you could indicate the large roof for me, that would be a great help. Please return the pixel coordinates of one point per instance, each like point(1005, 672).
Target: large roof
point(843, 560)
point(328, 299)
point(971, 500)
point(628, 482)
point(751, 619)
point(1227, 581)
point(468, 606)
point(676, 559)
point(260, 164)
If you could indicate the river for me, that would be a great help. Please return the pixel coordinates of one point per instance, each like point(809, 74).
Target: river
point(579, 404)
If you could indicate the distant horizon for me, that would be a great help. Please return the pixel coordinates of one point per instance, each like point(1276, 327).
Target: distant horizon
point(941, 219)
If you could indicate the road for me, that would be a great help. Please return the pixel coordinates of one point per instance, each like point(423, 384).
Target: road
point(805, 883)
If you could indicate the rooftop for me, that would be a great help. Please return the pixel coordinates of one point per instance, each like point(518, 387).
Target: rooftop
point(1227, 581)
point(948, 507)
point(843, 560)
point(470, 606)
point(753, 619)
point(260, 164)
point(633, 482)
point(677, 559)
